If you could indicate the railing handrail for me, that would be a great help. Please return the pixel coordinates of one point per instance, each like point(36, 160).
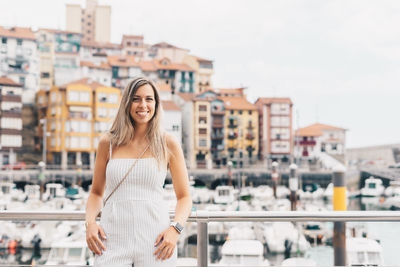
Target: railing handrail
point(224, 216)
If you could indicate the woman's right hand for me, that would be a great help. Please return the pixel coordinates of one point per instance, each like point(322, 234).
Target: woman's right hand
point(93, 234)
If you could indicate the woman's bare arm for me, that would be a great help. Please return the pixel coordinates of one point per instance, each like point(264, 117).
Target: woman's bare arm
point(180, 180)
point(94, 204)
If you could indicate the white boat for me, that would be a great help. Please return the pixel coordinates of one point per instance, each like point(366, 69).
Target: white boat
point(32, 191)
point(201, 195)
point(70, 253)
point(224, 194)
point(393, 189)
point(242, 253)
point(276, 233)
point(53, 190)
point(263, 193)
point(373, 187)
point(363, 252)
point(298, 262)
point(282, 191)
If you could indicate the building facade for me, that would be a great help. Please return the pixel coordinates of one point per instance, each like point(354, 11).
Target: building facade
point(10, 120)
point(75, 116)
point(203, 72)
point(19, 60)
point(133, 45)
point(319, 138)
point(275, 122)
point(93, 21)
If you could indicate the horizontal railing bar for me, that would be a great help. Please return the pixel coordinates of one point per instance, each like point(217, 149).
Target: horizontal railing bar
point(223, 216)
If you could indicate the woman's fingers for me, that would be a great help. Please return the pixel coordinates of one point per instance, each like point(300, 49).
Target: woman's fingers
point(102, 234)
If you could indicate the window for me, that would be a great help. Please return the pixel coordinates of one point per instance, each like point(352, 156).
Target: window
point(22, 81)
point(19, 41)
point(113, 98)
point(11, 123)
point(44, 75)
point(3, 40)
point(240, 112)
point(202, 142)
point(250, 112)
point(232, 112)
point(102, 112)
point(202, 120)
point(73, 96)
point(202, 108)
point(53, 97)
point(202, 131)
point(175, 127)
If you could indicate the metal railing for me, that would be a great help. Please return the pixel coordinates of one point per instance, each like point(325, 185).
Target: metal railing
point(202, 218)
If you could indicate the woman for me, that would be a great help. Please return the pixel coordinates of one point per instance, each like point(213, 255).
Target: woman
point(135, 226)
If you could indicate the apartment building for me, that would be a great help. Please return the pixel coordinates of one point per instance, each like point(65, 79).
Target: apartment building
point(320, 138)
point(241, 130)
point(19, 60)
point(100, 72)
point(203, 69)
point(123, 68)
point(166, 50)
point(172, 114)
point(276, 137)
point(133, 45)
point(179, 75)
point(10, 120)
point(97, 52)
point(75, 116)
point(94, 21)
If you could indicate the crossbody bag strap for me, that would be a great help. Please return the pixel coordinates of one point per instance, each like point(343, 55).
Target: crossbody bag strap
point(126, 175)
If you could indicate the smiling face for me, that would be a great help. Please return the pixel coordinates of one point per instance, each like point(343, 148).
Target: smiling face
point(143, 104)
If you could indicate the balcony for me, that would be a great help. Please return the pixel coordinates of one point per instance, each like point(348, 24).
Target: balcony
point(217, 136)
point(201, 164)
point(232, 125)
point(218, 112)
point(217, 124)
point(250, 136)
point(232, 149)
point(306, 143)
point(219, 147)
point(232, 136)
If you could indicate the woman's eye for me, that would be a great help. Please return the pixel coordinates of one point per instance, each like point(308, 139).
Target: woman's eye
point(149, 99)
point(136, 99)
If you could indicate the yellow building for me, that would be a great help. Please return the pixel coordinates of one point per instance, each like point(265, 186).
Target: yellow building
point(201, 131)
point(75, 115)
point(241, 130)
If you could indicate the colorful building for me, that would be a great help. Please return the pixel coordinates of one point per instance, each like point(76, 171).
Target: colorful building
point(203, 72)
point(75, 115)
point(275, 122)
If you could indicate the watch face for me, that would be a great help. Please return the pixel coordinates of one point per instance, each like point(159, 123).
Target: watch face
point(179, 227)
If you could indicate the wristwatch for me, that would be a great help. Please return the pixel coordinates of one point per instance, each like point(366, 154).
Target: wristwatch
point(178, 227)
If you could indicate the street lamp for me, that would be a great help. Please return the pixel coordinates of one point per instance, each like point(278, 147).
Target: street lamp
point(230, 164)
point(42, 167)
point(293, 185)
point(79, 170)
point(274, 176)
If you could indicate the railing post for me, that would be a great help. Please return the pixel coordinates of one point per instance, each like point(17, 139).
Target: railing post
point(202, 244)
point(339, 204)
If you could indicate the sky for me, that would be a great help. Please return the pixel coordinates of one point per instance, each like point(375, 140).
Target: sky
point(339, 61)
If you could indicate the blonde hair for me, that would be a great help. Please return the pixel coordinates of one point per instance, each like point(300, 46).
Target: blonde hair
point(123, 128)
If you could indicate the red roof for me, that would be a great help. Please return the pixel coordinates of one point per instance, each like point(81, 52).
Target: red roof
point(187, 96)
point(169, 105)
point(237, 103)
point(316, 130)
point(100, 45)
point(270, 100)
point(167, 45)
point(122, 61)
point(85, 81)
point(147, 66)
point(8, 81)
point(102, 65)
point(17, 32)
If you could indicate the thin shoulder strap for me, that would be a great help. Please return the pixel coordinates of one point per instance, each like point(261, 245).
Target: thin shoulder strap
point(126, 174)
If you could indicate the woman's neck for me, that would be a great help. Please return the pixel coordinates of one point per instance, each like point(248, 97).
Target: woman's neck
point(140, 133)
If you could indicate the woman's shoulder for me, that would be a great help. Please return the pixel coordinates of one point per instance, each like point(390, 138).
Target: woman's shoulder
point(171, 141)
point(105, 140)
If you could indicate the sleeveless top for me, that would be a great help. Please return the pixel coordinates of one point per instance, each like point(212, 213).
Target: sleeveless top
point(144, 182)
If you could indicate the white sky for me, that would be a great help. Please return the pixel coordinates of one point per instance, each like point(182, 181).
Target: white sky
point(339, 61)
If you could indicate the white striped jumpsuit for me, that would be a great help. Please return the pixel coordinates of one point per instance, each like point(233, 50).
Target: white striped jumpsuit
point(134, 215)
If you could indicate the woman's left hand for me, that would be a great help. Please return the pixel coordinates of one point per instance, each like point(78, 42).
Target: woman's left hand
point(167, 243)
